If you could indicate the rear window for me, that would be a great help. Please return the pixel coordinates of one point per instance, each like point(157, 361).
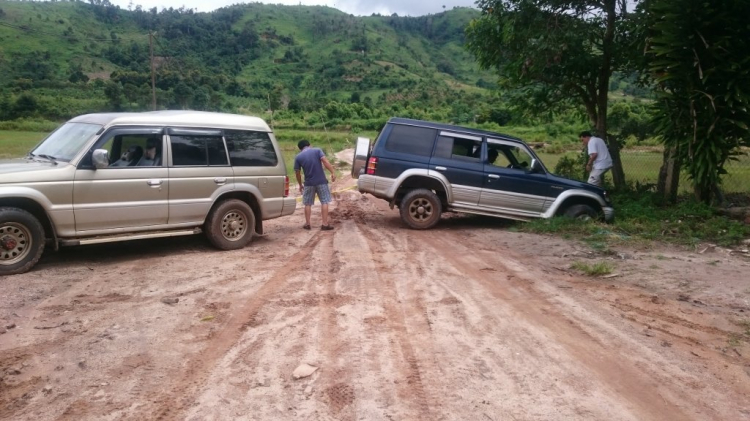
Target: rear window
point(250, 149)
point(411, 140)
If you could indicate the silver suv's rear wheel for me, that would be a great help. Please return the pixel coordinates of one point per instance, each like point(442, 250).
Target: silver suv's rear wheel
point(21, 241)
point(420, 209)
point(230, 225)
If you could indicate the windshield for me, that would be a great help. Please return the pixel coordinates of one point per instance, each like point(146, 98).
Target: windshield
point(65, 142)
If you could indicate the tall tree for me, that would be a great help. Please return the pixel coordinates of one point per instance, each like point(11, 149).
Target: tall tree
point(697, 53)
point(556, 54)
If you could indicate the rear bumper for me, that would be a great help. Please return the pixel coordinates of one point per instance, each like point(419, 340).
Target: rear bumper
point(290, 204)
point(376, 186)
point(609, 214)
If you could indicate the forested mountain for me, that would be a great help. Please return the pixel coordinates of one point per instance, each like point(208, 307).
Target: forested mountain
point(59, 59)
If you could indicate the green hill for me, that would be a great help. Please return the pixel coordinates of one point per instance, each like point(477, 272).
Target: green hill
point(306, 63)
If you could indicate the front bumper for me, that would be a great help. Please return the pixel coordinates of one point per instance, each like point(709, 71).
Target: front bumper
point(609, 214)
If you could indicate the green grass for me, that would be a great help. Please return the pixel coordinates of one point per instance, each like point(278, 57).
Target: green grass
point(640, 219)
point(14, 144)
point(596, 269)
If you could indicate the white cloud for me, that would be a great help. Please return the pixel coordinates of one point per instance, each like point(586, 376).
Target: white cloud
point(355, 7)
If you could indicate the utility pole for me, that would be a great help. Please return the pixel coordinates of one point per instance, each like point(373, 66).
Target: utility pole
point(153, 74)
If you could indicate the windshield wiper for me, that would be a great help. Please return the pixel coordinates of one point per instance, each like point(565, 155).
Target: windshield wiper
point(50, 157)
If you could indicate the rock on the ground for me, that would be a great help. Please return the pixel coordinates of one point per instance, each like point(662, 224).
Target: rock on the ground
point(303, 370)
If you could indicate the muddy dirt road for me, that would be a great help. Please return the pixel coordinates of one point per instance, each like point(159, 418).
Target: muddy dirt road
point(469, 321)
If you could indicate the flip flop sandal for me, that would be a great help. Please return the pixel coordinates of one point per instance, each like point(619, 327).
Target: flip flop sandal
point(326, 228)
point(306, 226)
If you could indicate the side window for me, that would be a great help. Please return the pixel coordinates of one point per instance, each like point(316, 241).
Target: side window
point(411, 140)
point(496, 155)
point(523, 157)
point(129, 148)
point(190, 150)
point(509, 156)
point(250, 149)
point(459, 148)
point(217, 154)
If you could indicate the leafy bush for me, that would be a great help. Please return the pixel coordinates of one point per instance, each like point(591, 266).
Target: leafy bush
point(572, 167)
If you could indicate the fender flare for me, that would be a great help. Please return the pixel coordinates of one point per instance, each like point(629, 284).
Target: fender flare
point(421, 172)
point(567, 194)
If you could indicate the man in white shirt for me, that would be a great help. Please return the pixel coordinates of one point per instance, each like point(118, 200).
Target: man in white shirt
point(599, 160)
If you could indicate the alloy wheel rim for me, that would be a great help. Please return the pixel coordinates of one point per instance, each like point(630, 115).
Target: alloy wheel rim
point(420, 209)
point(15, 243)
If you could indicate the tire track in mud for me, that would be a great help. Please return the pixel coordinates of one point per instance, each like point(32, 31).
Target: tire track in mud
point(625, 379)
point(399, 321)
point(370, 345)
point(188, 384)
point(678, 321)
point(339, 395)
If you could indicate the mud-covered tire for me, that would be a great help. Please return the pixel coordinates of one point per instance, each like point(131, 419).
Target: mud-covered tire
point(420, 209)
point(21, 241)
point(581, 212)
point(230, 225)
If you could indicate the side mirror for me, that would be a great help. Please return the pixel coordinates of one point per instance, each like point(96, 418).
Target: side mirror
point(100, 158)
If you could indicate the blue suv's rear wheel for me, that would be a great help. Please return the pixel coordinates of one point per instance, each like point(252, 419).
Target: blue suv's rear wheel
point(420, 209)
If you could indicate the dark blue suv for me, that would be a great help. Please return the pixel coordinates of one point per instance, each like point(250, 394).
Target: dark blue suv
point(427, 168)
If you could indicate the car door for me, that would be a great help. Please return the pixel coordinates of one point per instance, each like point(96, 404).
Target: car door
point(199, 172)
point(509, 184)
point(123, 196)
point(458, 157)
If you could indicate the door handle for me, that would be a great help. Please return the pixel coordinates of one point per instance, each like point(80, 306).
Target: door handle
point(439, 168)
point(154, 183)
point(220, 180)
point(493, 176)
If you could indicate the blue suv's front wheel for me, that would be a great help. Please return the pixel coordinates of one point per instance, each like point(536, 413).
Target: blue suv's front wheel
point(420, 209)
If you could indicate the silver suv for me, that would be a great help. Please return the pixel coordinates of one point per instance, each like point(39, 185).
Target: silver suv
point(123, 176)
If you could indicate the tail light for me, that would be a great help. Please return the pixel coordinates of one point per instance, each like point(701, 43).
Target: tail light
point(372, 164)
point(286, 186)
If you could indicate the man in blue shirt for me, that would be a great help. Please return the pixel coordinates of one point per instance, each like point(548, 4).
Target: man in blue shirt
point(311, 161)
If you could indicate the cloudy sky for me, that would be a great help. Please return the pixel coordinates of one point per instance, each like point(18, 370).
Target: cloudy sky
point(355, 7)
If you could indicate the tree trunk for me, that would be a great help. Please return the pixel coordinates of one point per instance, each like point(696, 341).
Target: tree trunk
point(669, 175)
point(618, 175)
point(605, 72)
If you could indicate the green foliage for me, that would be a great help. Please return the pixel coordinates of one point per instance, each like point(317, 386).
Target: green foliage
point(698, 59)
point(237, 58)
point(573, 167)
point(596, 269)
point(642, 218)
point(553, 56)
point(630, 119)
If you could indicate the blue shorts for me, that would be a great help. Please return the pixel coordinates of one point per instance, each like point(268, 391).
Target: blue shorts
point(308, 195)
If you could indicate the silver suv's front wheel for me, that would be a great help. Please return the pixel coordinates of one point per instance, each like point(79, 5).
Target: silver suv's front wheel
point(21, 241)
point(420, 209)
point(230, 225)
